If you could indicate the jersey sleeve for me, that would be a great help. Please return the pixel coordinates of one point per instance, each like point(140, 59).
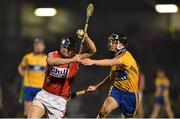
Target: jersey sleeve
point(24, 61)
point(125, 60)
point(54, 54)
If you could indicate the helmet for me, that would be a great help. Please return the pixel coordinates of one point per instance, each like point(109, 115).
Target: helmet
point(69, 43)
point(38, 40)
point(39, 49)
point(121, 38)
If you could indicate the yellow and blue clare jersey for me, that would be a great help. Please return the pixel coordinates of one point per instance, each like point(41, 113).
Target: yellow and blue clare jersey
point(126, 75)
point(162, 83)
point(35, 66)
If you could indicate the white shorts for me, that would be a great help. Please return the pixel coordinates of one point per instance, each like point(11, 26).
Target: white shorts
point(55, 105)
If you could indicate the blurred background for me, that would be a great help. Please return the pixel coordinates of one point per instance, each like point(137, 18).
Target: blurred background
point(154, 41)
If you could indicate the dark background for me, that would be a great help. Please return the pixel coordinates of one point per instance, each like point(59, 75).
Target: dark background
point(154, 41)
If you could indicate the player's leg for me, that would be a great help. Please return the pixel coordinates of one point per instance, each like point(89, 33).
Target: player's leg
point(155, 111)
point(109, 105)
point(159, 101)
point(27, 106)
point(37, 109)
point(55, 106)
point(140, 110)
point(27, 100)
point(168, 108)
point(36, 112)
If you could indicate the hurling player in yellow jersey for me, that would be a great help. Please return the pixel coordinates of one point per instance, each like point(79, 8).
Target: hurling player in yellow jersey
point(32, 69)
point(162, 95)
point(124, 77)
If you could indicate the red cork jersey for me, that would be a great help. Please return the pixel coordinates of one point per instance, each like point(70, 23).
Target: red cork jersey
point(59, 78)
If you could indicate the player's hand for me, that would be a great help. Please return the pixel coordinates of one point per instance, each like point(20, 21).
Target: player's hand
point(91, 88)
point(87, 62)
point(80, 33)
point(77, 58)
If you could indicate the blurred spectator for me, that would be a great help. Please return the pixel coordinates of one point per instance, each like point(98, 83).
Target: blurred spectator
point(32, 69)
point(140, 110)
point(162, 84)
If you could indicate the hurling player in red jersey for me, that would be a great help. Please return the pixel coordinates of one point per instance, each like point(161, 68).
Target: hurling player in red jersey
point(62, 66)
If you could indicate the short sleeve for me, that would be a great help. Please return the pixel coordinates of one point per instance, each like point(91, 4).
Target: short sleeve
point(24, 61)
point(125, 60)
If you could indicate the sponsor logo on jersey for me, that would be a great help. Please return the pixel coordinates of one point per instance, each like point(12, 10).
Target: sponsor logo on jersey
point(59, 72)
point(35, 68)
point(121, 74)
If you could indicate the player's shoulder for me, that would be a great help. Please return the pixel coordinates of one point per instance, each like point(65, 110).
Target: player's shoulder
point(27, 55)
point(53, 53)
point(128, 54)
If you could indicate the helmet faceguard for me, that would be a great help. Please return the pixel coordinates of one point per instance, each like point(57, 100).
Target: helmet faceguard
point(117, 39)
point(69, 43)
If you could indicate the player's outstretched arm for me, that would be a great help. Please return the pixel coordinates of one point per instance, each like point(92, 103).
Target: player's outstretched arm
point(103, 62)
point(59, 61)
point(89, 42)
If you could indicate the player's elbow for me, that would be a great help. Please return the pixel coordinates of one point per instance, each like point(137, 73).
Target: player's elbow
point(93, 51)
point(110, 64)
point(19, 68)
